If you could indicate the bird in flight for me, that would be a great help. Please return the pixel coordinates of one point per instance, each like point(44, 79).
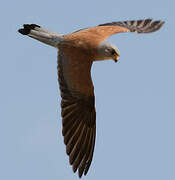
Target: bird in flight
point(77, 52)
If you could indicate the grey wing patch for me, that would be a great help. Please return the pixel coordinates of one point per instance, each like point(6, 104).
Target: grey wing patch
point(79, 123)
point(139, 26)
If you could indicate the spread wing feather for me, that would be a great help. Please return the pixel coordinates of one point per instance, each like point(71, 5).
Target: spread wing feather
point(103, 31)
point(139, 26)
point(78, 119)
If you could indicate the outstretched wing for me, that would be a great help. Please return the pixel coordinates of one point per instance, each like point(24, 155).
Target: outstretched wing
point(78, 108)
point(139, 26)
point(103, 31)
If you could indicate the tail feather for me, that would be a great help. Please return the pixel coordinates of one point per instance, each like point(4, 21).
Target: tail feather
point(39, 33)
point(27, 28)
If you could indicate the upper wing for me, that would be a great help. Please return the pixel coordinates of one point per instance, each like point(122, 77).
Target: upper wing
point(103, 31)
point(78, 109)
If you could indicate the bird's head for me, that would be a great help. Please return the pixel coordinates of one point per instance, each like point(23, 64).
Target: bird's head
point(108, 51)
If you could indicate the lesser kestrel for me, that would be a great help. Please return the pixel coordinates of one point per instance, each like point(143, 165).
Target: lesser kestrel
point(77, 52)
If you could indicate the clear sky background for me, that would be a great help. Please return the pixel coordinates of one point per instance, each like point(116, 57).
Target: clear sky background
point(135, 98)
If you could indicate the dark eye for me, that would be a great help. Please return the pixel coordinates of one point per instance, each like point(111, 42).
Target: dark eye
point(113, 52)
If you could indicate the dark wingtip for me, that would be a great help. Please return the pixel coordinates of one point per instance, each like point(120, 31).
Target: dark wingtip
point(156, 25)
point(80, 174)
point(162, 23)
point(27, 28)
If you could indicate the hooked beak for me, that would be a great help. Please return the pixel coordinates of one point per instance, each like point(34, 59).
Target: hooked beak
point(116, 58)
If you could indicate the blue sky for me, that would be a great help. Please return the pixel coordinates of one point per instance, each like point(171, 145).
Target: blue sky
point(135, 99)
